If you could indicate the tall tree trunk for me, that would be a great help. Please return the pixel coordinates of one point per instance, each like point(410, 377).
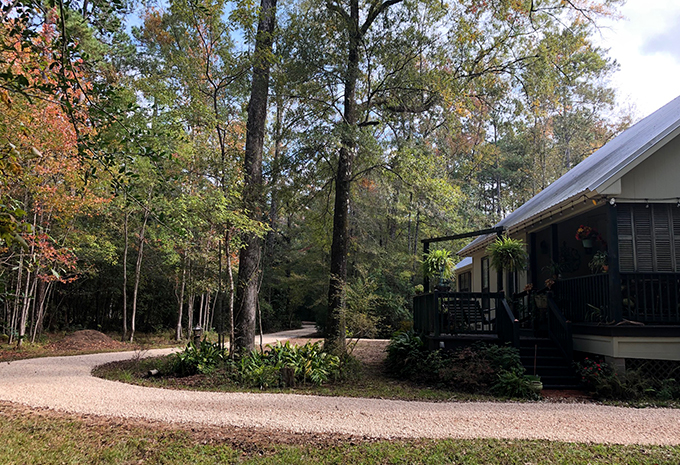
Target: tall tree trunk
point(41, 294)
point(17, 300)
point(125, 254)
point(199, 321)
point(230, 275)
point(190, 314)
point(138, 270)
point(249, 260)
point(180, 299)
point(335, 320)
point(29, 291)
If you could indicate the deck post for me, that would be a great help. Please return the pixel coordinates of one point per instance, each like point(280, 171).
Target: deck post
point(533, 261)
point(555, 242)
point(499, 272)
point(614, 274)
point(426, 278)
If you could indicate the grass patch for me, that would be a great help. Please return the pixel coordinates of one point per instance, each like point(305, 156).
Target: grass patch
point(30, 436)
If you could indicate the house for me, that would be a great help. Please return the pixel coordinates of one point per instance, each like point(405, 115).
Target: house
point(607, 233)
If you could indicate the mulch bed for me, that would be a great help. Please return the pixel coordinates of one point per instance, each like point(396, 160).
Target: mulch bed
point(87, 339)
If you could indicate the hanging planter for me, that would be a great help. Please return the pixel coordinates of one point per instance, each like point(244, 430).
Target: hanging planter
point(507, 254)
point(587, 235)
point(439, 263)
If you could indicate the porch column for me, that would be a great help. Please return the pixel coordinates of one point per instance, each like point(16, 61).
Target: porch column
point(499, 273)
point(555, 243)
point(533, 261)
point(426, 278)
point(615, 297)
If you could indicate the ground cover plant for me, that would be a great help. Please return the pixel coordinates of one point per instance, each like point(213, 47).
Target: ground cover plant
point(41, 436)
point(634, 386)
point(479, 368)
point(362, 375)
point(281, 364)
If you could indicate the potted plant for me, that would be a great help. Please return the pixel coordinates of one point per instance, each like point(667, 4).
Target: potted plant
point(507, 254)
point(599, 263)
point(439, 263)
point(586, 235)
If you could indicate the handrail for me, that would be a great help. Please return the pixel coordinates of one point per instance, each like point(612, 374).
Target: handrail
point(507, 324)
point(559, 329)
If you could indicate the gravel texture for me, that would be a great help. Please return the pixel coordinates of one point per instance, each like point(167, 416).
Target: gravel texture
point(65, 384)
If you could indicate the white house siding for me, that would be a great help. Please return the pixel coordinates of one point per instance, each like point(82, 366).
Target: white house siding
point(655, 178)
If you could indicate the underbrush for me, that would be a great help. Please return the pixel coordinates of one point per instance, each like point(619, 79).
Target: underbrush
point(355, 378)
point(479, 368)
point(280, 365)
point(604, 383)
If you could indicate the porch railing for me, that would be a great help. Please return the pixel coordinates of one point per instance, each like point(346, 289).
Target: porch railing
point(508, 325)
point(451, 313)
point(559, 329)
point(651, 297)
point(584, 299)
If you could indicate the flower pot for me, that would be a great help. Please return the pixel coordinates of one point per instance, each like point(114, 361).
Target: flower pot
point(587, 243)
point(536, 386)
point(541, 300)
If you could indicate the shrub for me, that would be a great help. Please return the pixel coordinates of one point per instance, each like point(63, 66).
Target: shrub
point(405, 354)
point(466, 369)
point(500, 357)
point(309, 364)
point(604, 383)
point(471, 369)
point(200, 359)
point(254, 370)
point(514, 383)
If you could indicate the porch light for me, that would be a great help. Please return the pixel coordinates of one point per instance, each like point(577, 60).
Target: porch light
point(612, 202)
point(678, 203)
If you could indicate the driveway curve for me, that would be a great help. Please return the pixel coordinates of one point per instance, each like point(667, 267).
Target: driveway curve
point(65, 384)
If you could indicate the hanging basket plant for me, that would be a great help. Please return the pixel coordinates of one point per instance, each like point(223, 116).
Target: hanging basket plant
point(507, 254)
point(438, 263)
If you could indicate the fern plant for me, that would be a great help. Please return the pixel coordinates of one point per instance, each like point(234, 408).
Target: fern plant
point(507, 254)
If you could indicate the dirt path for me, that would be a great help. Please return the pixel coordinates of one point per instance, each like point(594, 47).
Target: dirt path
point(65, 384)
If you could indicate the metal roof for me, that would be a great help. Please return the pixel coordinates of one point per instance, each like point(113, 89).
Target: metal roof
point(602, 168)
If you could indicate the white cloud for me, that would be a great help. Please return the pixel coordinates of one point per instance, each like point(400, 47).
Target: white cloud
point(646, 44)
point(666, 41)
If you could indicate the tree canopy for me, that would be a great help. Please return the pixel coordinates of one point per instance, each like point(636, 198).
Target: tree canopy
point(242, 167)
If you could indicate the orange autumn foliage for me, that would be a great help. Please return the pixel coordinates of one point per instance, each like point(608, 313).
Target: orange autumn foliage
point(45, 170)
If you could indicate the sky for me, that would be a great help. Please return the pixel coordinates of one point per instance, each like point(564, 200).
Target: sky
point(646, 44)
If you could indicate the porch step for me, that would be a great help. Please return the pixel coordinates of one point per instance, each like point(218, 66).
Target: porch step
point(555, 371)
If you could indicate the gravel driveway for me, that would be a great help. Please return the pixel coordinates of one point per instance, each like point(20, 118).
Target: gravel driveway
point(65, 384)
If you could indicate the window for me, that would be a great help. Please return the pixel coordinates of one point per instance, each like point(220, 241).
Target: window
point(465, 282)
point(485, 274)
point(649, 238)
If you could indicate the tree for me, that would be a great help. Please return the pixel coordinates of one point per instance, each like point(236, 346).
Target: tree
point(248, 285)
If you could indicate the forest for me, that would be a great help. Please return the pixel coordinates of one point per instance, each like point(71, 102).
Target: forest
point(244, 165)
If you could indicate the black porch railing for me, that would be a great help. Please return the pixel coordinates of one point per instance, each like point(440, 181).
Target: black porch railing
point(453, 313)
point(651, 297)
point(559, 329)
point(584, 299)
